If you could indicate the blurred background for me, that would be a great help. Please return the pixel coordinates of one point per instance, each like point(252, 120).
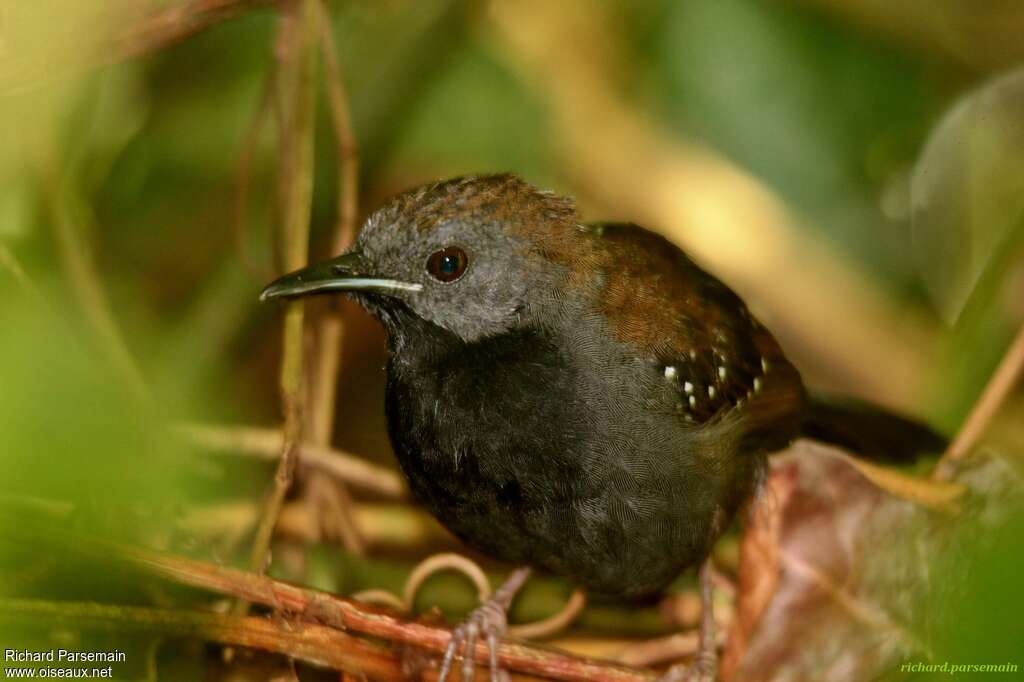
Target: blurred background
point(854, 168)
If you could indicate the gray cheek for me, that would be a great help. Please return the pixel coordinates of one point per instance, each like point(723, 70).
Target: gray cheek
point(481, 305)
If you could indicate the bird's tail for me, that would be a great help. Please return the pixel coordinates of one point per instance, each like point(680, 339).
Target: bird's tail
point(868, 431)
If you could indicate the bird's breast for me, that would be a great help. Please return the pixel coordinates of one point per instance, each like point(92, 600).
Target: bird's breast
point(533, 456)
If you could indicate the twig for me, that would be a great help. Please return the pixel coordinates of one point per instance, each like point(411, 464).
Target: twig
point(321, 607)
point(354, 617)
point(331, 330)
point(311, 643)
point(448, 561)
point(381, 598)
point(662, 649)
point(554, 623)
point(332, 507)
point(348, 152)
point(326, 364)
point(451, 561)
point(267, 444)
point(992, 397)
point(394, 527)
point(298, 68)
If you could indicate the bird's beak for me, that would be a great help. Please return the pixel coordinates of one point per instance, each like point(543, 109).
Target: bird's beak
point(347, 272)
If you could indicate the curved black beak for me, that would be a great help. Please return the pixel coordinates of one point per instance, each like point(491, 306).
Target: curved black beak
point(347, 272)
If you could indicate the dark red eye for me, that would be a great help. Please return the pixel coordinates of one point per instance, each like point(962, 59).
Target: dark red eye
point(448, 264)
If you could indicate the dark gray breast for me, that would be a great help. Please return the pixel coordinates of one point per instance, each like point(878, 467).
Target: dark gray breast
point(577, 462)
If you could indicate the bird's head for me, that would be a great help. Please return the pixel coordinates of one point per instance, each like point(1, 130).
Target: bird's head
point(470, 255)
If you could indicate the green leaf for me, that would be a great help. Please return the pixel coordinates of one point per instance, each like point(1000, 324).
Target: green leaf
point(967, 191)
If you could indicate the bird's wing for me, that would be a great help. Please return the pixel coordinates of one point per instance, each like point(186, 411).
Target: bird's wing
point(695, 327)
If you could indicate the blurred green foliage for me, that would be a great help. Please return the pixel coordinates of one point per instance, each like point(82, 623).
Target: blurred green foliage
point(824, 114)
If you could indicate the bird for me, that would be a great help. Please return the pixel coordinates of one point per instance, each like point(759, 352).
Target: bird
point(580, 398)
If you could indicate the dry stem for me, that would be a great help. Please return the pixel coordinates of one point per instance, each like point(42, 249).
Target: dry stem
point(298, 68)
point(554, 623)
point(311, 643)
point(330, 498)
point(267, 444)
point(1006, 376)
point(332, 331)
point(393, 526)
point(448, 561)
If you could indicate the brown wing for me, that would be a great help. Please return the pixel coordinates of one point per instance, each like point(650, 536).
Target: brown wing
point(696, 328)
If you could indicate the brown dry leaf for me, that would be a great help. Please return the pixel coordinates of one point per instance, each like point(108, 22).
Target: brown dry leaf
point(834, 579)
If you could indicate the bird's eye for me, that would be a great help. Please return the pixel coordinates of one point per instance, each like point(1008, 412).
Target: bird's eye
point(448, 264)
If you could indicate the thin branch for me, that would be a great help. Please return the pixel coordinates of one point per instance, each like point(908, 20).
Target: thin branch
point(311, 643)
point(381, 598)
point(298, 69)
point(1006, 376)
point(663, 649)
point(351, 616)
point(332, 507)
point(348, 151)
point(267, 444)
point(457, 562)
point(448, 561)
point(329, 496)
point(395, 527)
point(331, 331)
point(554, 623)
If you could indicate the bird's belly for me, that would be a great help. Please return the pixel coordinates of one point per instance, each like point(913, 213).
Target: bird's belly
point(605, 540)
point(531, 459)
point(607, 516)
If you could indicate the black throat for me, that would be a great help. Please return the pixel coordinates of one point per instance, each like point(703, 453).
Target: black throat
point(470, 422)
